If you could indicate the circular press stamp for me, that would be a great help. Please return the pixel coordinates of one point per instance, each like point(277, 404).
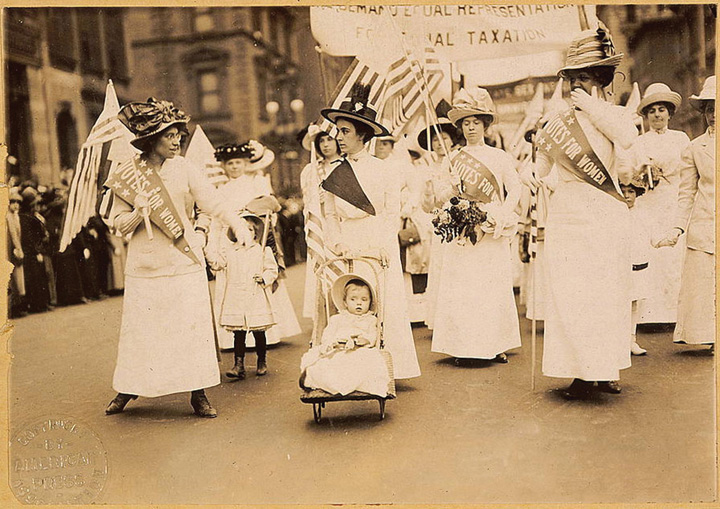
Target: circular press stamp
point(57, 461)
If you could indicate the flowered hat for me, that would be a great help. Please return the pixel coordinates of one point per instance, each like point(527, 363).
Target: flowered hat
point(658, 93)
point(356, 107)
point(337, 291)
point(145, 119)
point(639, 182)
point(444, 125)
point(468, 103)
point(256, 221)
point(706, 94)
point(591, 48)
point(260, 156)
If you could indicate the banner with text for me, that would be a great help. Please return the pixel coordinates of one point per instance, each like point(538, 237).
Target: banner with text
point(563, 139)
point(135, 176)
point(456, 32)
point(479, 182)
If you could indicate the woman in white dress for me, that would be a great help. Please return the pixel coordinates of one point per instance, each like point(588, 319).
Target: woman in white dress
point(166, 340)
point(476, 316)
point(696, 217)
point(372, 229)
point(587, 235)
point(657, 152)
point(443, 138)
point(244, 164)
point(325, 155)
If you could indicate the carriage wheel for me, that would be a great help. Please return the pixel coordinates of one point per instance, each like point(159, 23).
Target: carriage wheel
point(317, 412)
point(382, 409)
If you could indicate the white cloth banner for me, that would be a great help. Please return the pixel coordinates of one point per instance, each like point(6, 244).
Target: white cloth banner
point(456, 32)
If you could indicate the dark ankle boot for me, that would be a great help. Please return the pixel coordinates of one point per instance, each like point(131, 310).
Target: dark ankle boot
point(578, 389)
point(262, 366)
point(611, 387)
point(201, 405)
point(238, 370)
point(118, 403)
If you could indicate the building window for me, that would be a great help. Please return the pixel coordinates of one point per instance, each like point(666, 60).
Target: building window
point(209, 92)
point(115, 44)
point(288, 29)
point(67, 138)
point(631, 13)
point(261, 73)
point(61, 39)
point(203, 20)
point(19, 129)
point(274, 28)
point(90, 46)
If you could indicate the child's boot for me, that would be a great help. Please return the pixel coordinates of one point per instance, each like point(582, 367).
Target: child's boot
point(238, 370)
point(262, 364)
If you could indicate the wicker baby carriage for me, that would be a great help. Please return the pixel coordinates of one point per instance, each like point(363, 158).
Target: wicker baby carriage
point(326, 274)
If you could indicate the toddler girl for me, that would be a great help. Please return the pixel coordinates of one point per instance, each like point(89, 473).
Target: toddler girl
point(245, 305)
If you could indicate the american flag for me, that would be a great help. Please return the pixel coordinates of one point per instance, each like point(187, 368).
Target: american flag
point(106, 147)
point(201, 153)
point(409, 85)
point(358, 72)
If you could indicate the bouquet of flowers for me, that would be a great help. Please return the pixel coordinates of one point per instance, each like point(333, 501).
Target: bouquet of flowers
point(459, 219)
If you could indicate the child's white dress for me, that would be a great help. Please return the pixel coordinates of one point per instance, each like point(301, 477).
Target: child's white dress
point(643, 285)
point(344, 371)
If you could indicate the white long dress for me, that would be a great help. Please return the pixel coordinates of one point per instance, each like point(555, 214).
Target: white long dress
point(361, 232)
point(587, 263)
point(659, 204)
point(436, 250)
point(238, 192)
point(476, 316)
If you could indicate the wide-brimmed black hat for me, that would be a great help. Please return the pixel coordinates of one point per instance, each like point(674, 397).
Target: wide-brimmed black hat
point(259, 155)
point(356, 107)
point(443, 125)
point(145, 119)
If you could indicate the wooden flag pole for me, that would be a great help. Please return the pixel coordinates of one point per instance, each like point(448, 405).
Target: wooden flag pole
point(533, 271)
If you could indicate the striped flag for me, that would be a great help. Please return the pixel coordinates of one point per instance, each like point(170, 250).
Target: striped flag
point(405, 92)
point(107, 146)
point(201, 153)
point(358, 72)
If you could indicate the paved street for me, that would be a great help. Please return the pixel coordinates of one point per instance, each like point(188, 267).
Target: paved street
point(458, 434)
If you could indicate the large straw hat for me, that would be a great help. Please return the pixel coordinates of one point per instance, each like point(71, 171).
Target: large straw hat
point(356, 107)
point(145, 119)
point(658, 93)
point(591, 48)
point(443, 125)
point(338, 291)
point(706, 94)
point(259, 155)
point(308, 139)
point(468, 103)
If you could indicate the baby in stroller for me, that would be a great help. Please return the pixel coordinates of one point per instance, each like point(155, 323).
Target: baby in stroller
point(348, 358)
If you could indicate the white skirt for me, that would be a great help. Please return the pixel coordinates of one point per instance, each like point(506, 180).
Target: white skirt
point(588, 275)
point(436, 254)
point(535, 293)
point(166, 338)
point(696, 309)
point(476, 315)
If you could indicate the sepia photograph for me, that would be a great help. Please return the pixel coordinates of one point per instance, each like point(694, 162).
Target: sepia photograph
point(425, 254)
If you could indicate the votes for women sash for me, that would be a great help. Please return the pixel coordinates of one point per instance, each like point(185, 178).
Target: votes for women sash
point(478, 181)
point(135, 176)
point(563, 139)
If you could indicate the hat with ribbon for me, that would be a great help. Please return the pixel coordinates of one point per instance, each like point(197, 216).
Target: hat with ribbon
point(444, 126)
point(356, 107)
point(591, 48)
point(468, 103)
point(145, 119)
point(706, 94)
point(658, 93)
point(259, 155)
point(338, 291)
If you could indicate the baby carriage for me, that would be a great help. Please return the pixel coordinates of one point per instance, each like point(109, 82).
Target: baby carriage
point(329, 275)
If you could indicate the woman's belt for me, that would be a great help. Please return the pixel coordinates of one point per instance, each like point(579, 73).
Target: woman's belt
point(640, 266)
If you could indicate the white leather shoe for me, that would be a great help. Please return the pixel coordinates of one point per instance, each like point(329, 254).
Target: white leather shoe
point(635, 349)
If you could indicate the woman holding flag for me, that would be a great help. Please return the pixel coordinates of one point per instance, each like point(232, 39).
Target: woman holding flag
point(476, 316)
point(656, 154)
point(587, 323)
point(362, 213)
point(166, 338)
